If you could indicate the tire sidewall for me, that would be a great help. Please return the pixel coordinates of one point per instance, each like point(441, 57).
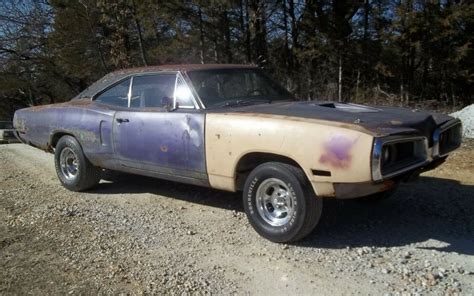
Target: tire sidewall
point(69, 142)
point(274, 233)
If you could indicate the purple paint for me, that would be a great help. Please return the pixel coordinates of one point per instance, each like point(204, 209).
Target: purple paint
point(151, 140)
point(337, 151)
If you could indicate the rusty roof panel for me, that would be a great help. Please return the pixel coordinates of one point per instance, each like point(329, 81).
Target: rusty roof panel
point(117, 75)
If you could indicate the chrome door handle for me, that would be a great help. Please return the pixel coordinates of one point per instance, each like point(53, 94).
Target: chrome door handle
point(121, 120)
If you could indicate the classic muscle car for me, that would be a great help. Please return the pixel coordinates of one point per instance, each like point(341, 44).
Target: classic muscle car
point(232, 128)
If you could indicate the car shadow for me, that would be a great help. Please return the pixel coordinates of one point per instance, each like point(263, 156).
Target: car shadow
point(122, 183)
point(430, 208)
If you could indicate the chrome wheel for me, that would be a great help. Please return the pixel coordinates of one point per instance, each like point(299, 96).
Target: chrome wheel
point(69, 163)
point(275, 202)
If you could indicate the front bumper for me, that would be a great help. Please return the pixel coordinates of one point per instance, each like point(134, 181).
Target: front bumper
point(355, 190)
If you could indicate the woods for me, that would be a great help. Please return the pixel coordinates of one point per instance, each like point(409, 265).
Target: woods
point(399, 52)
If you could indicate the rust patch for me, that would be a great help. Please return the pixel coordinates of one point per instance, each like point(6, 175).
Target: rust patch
point(41, 107)
point(332, 194)
point(86, 136)
point(396, 122)
point(81, 102)
point(45, 148)
point(182, 67)
point(337, 151)
point(344, 125)
point(387, 185)
point(20, 125)
point(72, 103)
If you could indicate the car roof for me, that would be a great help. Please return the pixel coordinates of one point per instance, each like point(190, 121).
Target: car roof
point(183, 67)
point(117, 75)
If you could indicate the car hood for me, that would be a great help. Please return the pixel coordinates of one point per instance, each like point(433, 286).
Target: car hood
point(378, 121)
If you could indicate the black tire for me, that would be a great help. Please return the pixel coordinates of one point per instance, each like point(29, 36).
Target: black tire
point(378, 197)
point(86, 175)
point(306, 206)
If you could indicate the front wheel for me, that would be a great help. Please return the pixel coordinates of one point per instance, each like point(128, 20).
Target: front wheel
point(280, 203)
point(74, 170)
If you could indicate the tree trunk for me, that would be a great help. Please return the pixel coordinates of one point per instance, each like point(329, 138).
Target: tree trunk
point(287, 47)
point(259, 32)
point(227, 41)
point(242, 23)
point(247, 35)
point(97, 42)
point(140, 34)
point(365, 51)
point(294, 61)
point(140, 42)
point(339, 91)
point(216, 51)
point(401, 89)
point(357, 86)
point(453, 96)
point(201, 37)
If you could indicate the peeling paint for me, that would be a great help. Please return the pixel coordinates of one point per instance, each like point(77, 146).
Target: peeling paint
point(84, 135)
point(20, 125)
point(396, 122)
point(167, 140)
point(387, 185)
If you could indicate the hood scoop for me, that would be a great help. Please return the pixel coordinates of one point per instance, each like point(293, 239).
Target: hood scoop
point(348, 107)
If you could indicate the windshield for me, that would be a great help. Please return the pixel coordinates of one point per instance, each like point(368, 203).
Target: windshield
point(227, 87)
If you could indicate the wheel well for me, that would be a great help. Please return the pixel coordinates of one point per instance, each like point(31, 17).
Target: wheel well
point(250, 161)
point(55, 138)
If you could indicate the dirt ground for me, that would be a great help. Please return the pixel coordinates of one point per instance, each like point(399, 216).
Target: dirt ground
point(137, 235)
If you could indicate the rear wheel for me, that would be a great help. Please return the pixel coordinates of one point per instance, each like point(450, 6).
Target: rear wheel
point(280, 203)
point(74, 170)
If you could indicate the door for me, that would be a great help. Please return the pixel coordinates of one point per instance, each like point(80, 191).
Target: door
point(162, 131)
point(105, 105)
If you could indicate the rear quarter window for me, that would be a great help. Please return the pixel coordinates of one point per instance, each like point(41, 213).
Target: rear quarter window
point(117, 95)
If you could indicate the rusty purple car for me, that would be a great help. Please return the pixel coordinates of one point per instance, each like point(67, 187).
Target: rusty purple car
point(231, 127)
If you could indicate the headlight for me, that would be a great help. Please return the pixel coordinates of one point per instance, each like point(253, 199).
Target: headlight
point(394, 155)
point(447, 138)
point(389, 154)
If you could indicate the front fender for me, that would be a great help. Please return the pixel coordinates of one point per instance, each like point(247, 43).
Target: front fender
point(328, 152)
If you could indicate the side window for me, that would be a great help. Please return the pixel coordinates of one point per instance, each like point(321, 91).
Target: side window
point(152, 90)
point(116, 95)
point(182, 95)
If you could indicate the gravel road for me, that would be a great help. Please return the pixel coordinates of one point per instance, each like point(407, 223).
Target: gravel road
point(136, 235)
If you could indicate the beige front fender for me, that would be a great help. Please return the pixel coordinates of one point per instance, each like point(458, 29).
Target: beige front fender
point(341, 150)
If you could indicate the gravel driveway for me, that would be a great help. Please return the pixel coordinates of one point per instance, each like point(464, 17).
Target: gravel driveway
point(137, 235)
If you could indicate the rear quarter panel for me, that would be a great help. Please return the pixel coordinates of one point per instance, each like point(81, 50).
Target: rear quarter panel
point(90, 125)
